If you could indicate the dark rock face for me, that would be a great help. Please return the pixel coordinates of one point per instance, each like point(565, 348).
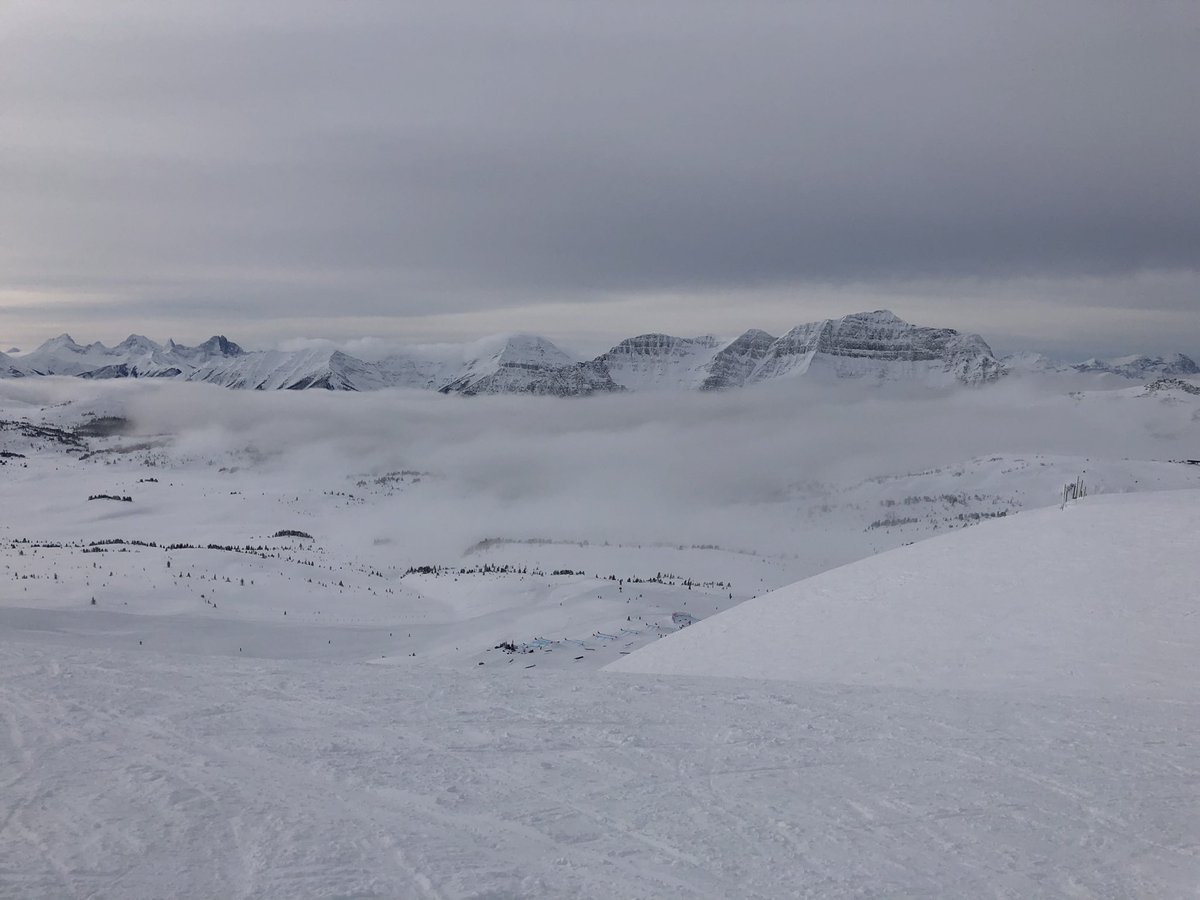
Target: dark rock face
point(219, 345)
point(735, 362)
point(877, 345)
point(659, 361)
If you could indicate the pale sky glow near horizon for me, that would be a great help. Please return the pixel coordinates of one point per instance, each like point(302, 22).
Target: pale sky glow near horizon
point(438, 171)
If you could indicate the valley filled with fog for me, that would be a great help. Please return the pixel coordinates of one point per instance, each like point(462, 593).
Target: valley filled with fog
point(232, 606)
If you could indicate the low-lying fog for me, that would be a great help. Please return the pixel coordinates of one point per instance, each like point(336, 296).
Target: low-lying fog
point(665, 467)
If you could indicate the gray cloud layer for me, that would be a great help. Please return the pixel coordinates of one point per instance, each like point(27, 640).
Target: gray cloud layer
point(317, 160)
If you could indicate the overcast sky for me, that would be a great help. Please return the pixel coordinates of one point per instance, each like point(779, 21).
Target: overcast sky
point(435, 170)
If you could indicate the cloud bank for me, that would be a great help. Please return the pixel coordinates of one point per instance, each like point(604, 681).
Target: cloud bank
point(339, 171)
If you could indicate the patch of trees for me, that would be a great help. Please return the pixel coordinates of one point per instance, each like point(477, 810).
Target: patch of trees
point(978, 516)
point(949, 499)
point(891, 521)
point(291, 532)
point(110, 497)
point(44, 432)
point(486, 569)
point(103, 426)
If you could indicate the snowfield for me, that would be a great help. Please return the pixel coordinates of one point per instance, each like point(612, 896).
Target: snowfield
point(409, 645)
point(136, 774)
point(1099, 597)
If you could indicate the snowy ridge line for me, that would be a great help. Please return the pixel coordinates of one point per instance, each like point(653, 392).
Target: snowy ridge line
point(874, 346)
point(1093, 598)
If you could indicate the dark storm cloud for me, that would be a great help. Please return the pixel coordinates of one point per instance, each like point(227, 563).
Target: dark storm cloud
point(429, 157)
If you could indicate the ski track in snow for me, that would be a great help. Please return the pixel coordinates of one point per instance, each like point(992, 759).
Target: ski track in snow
point(130, 774)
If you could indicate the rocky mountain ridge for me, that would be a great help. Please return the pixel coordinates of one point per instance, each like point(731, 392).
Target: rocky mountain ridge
point(873, 347)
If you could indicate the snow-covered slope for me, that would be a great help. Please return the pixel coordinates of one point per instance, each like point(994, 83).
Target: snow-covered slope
point(659, 361)
point(63, 356)
point(1142, 367)
point(736, 361)
point(528, 364)
point(134, 357)
point(874, 347)
point(420, 368)
point(1094, 598)
point(878, 346)
point(271, 370)
point(1027, 362)
point(10, 368)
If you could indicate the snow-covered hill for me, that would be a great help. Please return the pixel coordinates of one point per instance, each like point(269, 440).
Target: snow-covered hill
point(10, 368)
point(1094, 598)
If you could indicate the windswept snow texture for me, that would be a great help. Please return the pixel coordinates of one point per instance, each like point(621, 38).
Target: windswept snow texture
point(134, 774)
point(1097, 598)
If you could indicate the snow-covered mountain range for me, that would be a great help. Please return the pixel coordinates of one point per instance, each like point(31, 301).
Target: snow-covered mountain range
point(876, 347)
point(1140, 368)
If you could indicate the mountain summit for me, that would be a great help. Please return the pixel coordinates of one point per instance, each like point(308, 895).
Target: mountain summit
point(871, 347)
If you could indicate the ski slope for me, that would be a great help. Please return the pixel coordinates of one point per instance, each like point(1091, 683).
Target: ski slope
point(1098, 597)
point(139, 775)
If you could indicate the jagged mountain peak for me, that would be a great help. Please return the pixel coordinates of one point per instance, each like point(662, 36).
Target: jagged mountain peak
point(63, 342)
point(874, 346)
point(525, 349)
point(526, 364)
point(656, 361)
point(654, 341)
point(136, 343)
point(881, 316)
point(879, 346)
point(219, 345)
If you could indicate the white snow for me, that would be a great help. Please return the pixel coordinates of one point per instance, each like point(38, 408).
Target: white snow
point(656, 362)
point(876, 346)
point(1095, 598)
point(1013, 714)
